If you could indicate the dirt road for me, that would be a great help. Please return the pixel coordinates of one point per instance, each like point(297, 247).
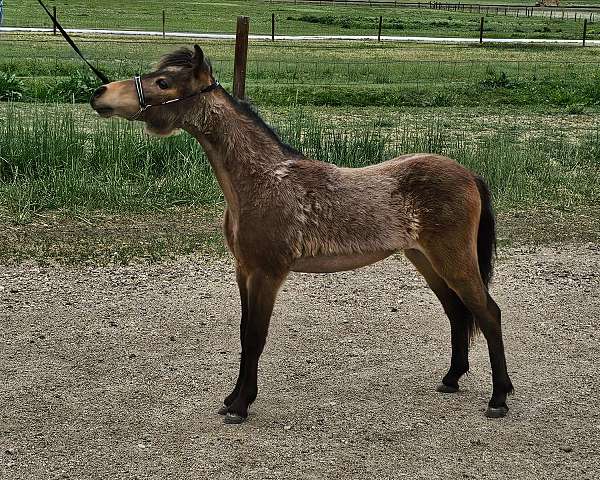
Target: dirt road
point(116, 373)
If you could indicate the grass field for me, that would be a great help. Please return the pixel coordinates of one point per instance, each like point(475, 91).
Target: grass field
point(61, 157)
point(525, 117)
point(206, 16)
point(360, 75)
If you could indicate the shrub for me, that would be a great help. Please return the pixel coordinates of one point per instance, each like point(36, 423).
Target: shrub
point(11, 88)
point(496, 80)
point(79, 87)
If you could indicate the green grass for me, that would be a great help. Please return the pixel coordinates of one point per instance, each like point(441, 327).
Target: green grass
point(332, 74)
point(146, 50)
point(55, 158)
point(208, 16)
point(525, 117)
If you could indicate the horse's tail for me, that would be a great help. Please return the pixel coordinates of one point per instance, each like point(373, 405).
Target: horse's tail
point(486, 235)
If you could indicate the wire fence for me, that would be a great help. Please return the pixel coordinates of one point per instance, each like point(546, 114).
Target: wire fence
point(327, 72)
point(544, 9)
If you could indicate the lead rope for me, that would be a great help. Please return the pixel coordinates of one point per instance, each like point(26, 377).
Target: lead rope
point(98, 73)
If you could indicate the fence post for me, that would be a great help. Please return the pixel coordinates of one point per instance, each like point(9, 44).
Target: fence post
point(379, 31)
point(241, 57)
point(584, 30)
point(481, 31)
point(272, 27)
point(54, 23)
point(163, 23)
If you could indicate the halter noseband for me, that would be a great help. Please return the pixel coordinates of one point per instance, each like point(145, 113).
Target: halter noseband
point(137, 80)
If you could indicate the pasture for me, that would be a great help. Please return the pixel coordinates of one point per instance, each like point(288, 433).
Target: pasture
point(297, 19)
point(522, 116)
point(118, 304)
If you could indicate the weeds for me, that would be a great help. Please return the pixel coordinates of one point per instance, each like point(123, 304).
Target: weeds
point(11, 88)
point(52, 159)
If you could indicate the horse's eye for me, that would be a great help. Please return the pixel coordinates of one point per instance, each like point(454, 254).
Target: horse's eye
point(162, 84)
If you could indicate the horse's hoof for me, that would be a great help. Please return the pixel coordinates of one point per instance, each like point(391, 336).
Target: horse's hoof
point(496, 412)
point(233, 419)
point(443, 388)
point(223, 410)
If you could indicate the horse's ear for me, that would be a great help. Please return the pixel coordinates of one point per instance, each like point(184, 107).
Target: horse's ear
point(198, 58)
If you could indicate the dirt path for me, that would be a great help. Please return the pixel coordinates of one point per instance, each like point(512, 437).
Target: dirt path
point(116, 373)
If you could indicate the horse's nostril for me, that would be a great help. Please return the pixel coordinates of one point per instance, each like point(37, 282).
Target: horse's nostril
point(98, 93)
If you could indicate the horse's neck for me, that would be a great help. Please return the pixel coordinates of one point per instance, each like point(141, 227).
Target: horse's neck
point(242, 154)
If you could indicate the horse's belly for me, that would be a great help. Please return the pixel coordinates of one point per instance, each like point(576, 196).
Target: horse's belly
point(337, 263)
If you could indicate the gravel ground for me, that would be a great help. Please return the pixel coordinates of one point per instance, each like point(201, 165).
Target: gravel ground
point(115, 372)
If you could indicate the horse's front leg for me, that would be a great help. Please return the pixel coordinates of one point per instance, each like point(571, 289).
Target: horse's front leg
point(242, 279)
point(262, 288)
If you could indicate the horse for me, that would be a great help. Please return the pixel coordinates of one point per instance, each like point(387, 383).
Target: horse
point(288, 213)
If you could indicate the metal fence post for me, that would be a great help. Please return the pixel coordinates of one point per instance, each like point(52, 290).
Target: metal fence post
point(163, 23)
point(241, 57)
point(481, 31)
point(584, 30)
point(272, 27)
point(379, 31)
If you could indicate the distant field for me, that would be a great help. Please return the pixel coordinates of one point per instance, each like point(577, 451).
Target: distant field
point(374, 3)
point(357, 74)
point(291, 19)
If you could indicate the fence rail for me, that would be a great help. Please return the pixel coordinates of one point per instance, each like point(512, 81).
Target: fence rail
point(566, 12)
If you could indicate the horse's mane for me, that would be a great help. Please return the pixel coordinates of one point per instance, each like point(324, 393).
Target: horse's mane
point(179, 58)
point(247, 109)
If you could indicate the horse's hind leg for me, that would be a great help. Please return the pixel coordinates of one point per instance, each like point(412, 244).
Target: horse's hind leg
point(460, 270)
point(461, 321)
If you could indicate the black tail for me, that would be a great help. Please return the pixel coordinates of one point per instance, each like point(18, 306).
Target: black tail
point(486, 236)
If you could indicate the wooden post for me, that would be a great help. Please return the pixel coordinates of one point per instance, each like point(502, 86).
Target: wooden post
point(54, 23)
point(379, 31)
point(241, 57)
point(272, 27)
point(584, 30)
point(163, 23)
point(481, 31)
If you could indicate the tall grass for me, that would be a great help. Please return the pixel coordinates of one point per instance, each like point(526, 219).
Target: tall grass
point(52, 158)
point(348, 83)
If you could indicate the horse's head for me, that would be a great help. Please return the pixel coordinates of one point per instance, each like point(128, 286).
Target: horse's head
point(158, 98)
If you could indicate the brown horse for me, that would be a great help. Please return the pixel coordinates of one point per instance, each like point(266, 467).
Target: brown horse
point(286, 212)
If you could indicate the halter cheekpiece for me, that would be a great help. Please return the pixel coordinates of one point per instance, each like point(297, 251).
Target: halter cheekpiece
point(137, 80)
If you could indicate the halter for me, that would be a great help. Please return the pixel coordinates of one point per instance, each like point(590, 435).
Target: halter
point(137, 80)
